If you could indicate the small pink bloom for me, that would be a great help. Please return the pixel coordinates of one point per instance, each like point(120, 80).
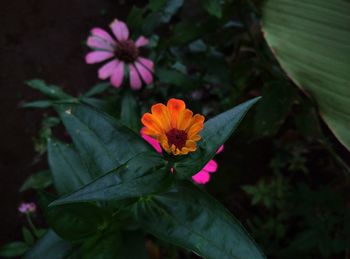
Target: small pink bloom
point(26, 208)
point(203, 176)
point(123, 55)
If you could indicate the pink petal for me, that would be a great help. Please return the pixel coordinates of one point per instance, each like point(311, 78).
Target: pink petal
point(146, 62)
point(211, 166)
point(154, 143)
point(120, 30)
point(135, 81)
point(98, 56)
point(221, 148)
point(98, 32)
point(118, 75)
point(201, 178)
point(145, 73)
point(141, 41)
point(106, 71)
point(99, 43)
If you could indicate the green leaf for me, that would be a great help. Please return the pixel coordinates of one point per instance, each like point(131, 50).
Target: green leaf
point(215, 132)
point(170, 9)
point(213, 7)
point(39, 180)
point(167, 8)
point(161, 12)
point(40, 232)
point(153, 41)
point(97, 103)
point(174, 77)
point(103, 246)
point(273, 109)
point(68, 172)
point(156, 5)
point(185, 32)
point(142, 175)
point(27, 236)
point(50, 246)
point(135, 19)
point(42, 104)
point(13, 249)
point(102, 142)
point(97, 89)
point(198, 46)
point(75, 222)
point(190, 218)
point(51, 91)
point(311, 40)
point(129, 114)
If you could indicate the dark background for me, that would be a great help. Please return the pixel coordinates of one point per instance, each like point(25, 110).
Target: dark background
point(39, 39)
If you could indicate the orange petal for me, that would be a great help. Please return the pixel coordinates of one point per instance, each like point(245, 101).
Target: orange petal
point(175, 106)
point(195, 137)
point(160, 111)
point(149, 132)
point(184, 120)
point(191, 145)
point(174, 150)
point(150, 122)
point(184, 151)
point(198, 118)
point(196, 125)
point(163, 140)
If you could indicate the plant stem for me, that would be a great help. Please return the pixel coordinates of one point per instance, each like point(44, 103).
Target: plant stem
point(31, 225)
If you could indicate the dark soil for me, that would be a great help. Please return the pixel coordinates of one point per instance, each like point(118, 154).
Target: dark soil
point(39, 39)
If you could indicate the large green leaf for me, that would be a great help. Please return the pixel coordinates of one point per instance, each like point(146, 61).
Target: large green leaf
point(103, 246)
point(311, 40)
point(215, 132)
point(75, 222)
point(67, 169)
point(142, 175)
point(103, 143)
point(13, 249)
point(190, 218)
point(51, 91)
point(97, 89)
point(38, 181)
point(50, 246)
point(129, 114)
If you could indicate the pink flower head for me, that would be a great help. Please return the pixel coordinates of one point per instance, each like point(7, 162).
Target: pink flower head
point(26, 208)
point(123, 55)
point(203, 176)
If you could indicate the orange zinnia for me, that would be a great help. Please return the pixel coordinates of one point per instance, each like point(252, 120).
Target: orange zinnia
point(173, 126)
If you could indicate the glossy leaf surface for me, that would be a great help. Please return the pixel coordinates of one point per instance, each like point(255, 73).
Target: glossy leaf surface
point(188, 217)
point(311, 40)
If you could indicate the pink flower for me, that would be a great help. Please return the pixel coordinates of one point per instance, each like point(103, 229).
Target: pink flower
point(123, 55)
point(203, 176)
point(27, 207)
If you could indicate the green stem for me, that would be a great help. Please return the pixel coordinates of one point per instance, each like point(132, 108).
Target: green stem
point(31, 225)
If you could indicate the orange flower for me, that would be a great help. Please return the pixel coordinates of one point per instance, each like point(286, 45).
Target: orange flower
point(173, 126)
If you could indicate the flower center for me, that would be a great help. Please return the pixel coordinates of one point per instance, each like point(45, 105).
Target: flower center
point(177, 137)
point(126, 51)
